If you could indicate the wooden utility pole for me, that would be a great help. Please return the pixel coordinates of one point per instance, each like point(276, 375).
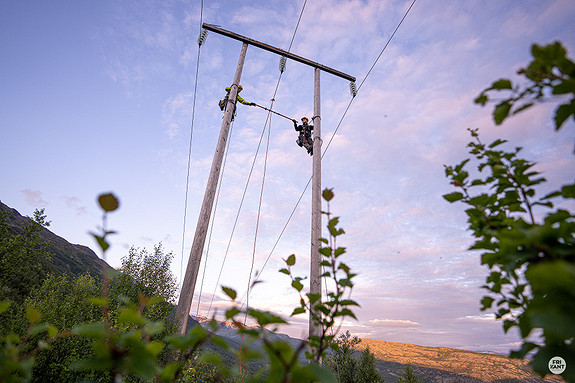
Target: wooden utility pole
point(194, 261)
point(315, 256)
point(189, 284)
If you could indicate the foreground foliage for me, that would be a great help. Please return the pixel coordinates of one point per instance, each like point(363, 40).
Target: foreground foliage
point(527, 243)
point(120, 330)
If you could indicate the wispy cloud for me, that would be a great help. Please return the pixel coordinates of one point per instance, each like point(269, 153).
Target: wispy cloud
point(34, 197)
point(75, 204)
point(393, 323)
point(176, 114)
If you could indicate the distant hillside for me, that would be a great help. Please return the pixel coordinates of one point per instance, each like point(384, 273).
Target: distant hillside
point(448, 365)
point(431, 364)
point(72, 260)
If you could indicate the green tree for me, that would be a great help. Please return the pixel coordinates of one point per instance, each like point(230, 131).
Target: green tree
point(23, 258)
point(65, 303)
point(148, 274)
point(23, 267)
point(409, 376)
point(367, 370)
point(527, 243)
point(342, 360)
point(347, 366)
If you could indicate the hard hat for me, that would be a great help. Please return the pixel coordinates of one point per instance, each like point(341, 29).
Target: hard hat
point(304, 118)
point(240, 87)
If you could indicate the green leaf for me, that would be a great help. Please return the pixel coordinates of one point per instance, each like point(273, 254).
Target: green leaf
point(497, 143)
point(284, 271)
point(104, 245)
point(344, 267)
point(153, 328)
point(486, 303)
point(482, 99)
point(232, 312)
point(313, 298)
point(321, 373)
point(501, 112)
point(296, 284)
point(562, 113)
point(131, 316)
point(265, 318)
point(290, 261)
point(4, 305)
point(52, 331)
point(155, 347)
point(39, 328)
point(220, 342)
point(453, 197)
point(523, 107)
point(169, 372)
point(348, 302)
point(33, 315)
point(95, 330)
point(345, 312)
point(108, 202)
point(327, 194)
point(298, 310)
point(568, 191)
point(565, 86)
point(502, 84)
point(231, 293)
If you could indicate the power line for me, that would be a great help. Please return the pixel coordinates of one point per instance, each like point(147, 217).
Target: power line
point(268, 118)
point(333, 135)
point(367, 75)
point(201, 39)
point(323, 154)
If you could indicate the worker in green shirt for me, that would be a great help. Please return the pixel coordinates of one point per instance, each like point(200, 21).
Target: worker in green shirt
point(239, 98)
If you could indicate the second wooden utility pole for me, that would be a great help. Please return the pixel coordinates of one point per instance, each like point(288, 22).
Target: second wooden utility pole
point(315, 256)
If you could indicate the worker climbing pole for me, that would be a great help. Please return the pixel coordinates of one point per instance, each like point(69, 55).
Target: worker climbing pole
point(305, 130)
point(194, 261)
point(223, 103)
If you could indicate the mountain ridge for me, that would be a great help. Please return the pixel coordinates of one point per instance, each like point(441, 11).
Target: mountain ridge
point(67, 258)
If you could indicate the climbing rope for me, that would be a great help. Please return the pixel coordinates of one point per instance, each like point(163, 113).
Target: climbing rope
point(201, 40)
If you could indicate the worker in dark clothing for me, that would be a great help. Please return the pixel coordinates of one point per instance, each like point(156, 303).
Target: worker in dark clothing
point(305, 131)
point(224, 102)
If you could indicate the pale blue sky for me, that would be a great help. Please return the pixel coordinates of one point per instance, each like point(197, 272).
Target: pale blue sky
point(97, 96)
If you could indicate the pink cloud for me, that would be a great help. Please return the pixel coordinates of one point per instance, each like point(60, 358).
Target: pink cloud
point(34, 197)
point(393, 323)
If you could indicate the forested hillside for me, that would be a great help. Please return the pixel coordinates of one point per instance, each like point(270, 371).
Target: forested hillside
point(66, 258)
